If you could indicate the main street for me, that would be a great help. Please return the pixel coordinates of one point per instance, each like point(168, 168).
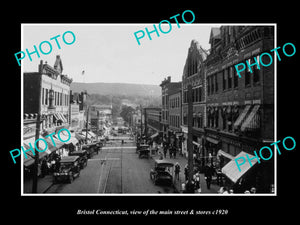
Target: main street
point(116, 169)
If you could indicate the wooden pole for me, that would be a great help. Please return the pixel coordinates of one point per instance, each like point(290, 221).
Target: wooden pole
point(37, 136)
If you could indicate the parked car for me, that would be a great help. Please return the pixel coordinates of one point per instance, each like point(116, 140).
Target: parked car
point(68, 170)
point(162, 173)
point(83, 157)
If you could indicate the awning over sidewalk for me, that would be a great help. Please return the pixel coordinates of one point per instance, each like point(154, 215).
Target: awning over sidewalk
point(30, 157)
point(225, 154)
point(154, 135)
point(231, 170)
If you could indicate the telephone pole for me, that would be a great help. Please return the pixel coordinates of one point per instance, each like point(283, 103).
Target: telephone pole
point(37, 135)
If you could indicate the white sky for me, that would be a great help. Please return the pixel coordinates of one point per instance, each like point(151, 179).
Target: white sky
point(110, 53)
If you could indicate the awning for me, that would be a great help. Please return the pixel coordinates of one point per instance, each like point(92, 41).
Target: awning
point(63, 118)
point(212, 140)
point(79, 136)
point(56, 116)
point(250, 122)
point(241, 116)
point(195, 143)
point(65, 136)
point(92, 134)
point(30, 157)
point(231, 170)
point(154, 135)
point(225, 154)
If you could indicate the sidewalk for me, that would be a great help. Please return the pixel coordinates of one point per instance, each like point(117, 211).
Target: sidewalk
point(42, 186)
point(182, 162)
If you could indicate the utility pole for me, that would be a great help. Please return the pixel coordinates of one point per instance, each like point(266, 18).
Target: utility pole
point(189, 187)
point(141, 121)
point(86, 125)
point(37, 133)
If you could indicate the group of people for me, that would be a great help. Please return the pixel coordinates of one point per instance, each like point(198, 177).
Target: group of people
point(50, 165)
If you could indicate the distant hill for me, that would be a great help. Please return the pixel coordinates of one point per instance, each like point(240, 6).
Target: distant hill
point(117, 89)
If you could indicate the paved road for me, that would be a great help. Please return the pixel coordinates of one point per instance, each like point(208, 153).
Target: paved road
point(116, 169)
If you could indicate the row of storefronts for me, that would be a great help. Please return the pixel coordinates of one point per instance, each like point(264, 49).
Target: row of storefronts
point(232, 116)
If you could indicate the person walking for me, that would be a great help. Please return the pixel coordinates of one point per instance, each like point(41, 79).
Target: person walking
point(186, 172)
point(177, 171)
point(165, 151)
point(208, 172)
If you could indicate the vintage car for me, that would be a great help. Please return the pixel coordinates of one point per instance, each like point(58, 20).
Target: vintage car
point(90, 148)
point(68, 170)
point(141, 147)
point(162, 172)
point(144, 153)
point(83, 157)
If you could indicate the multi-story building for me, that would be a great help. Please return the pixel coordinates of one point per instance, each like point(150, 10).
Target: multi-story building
point(193, 74)
point(77, 111)
point(174, 130)
point(55, 94)
point(240, 111)
point(101, 118)
point(49, 89)
point(153, 126)
point(167, 87)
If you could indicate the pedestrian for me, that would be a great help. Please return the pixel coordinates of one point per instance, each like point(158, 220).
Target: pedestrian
point(160, 155)
point(170, 151)
point(186, 172)
point(177, 170)
point(208, 172)
point(165, 151)
point(197, 183)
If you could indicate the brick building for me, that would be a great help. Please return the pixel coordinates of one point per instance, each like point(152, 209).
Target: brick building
point(193, 74)
point(240, 111)
point(167, 87)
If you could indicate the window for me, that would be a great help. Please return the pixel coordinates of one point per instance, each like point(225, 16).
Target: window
point(247, 74)
point(43, 96)
point(256, 71)
point(235, 79)
point(216, 83)
point(200, 93)
point(212, 84)
point(46, 100)
point(224, 75)
point(229, 69)
point(208, 86)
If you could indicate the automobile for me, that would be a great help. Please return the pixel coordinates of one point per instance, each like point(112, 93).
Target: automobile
point(90, 149)
point(141, 147)
point(162, 173)
point(83, 157)
point(144, 153)
point(68, 170)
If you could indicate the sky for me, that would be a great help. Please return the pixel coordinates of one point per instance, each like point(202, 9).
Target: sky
point(110, 53)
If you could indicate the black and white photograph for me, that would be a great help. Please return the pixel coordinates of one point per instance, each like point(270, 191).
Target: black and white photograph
point(184, 114)
point(163, 114)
